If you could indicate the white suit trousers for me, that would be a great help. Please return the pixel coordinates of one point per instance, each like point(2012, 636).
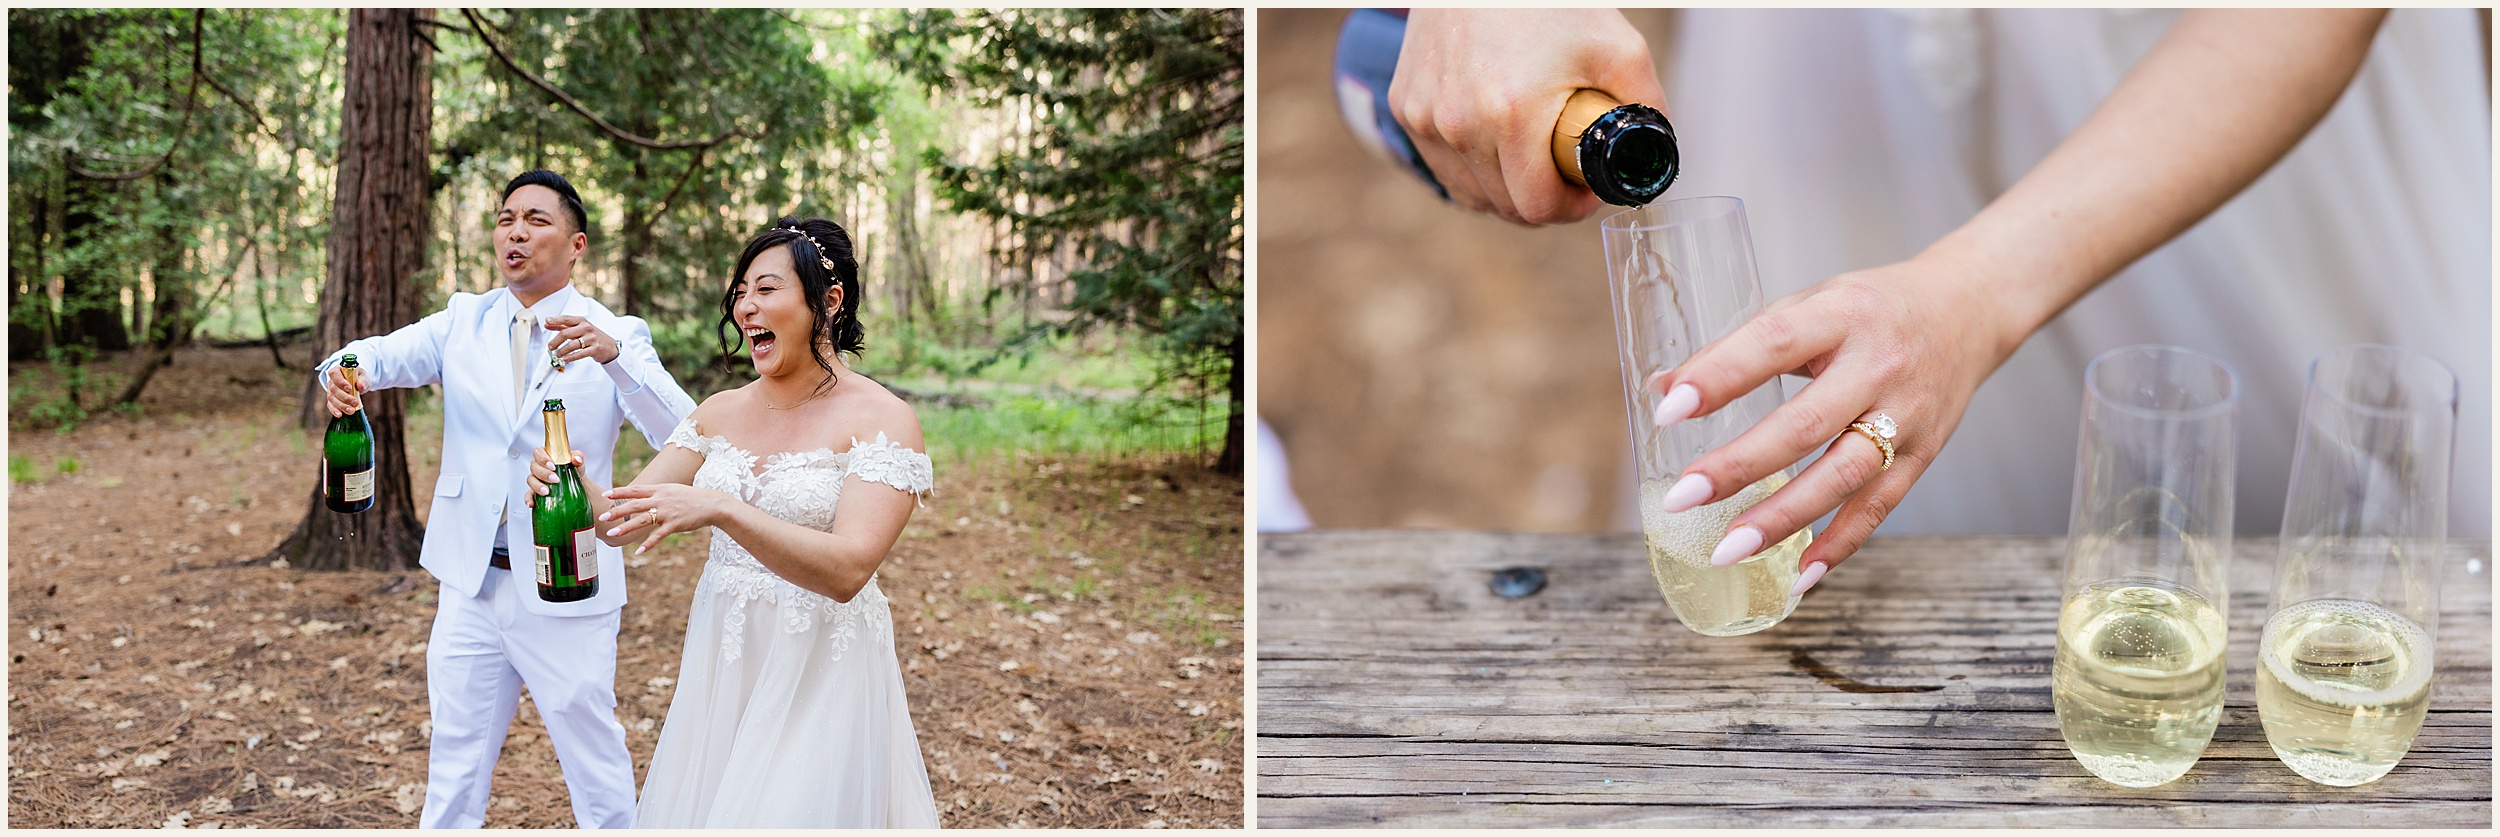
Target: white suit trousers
point(483, 650)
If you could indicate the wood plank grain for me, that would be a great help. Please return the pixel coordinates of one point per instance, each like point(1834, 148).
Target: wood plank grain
point(1911, 688)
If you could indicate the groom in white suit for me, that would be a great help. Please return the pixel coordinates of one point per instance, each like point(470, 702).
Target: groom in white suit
point(492, 634)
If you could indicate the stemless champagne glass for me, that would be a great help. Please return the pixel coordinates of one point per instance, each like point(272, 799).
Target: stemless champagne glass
point(1682, 275)
point(2344, 666)
point(2137, 681)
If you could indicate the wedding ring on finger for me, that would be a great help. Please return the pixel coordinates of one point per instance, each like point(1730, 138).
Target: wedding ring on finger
point(1881, 430)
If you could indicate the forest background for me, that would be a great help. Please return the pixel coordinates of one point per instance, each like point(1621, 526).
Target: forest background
point(1049, 217)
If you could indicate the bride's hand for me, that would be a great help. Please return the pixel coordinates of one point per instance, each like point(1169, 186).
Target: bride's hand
point(664, 509)
point(1911, 340)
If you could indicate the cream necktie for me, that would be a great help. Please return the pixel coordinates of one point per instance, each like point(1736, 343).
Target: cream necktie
point(524, 326)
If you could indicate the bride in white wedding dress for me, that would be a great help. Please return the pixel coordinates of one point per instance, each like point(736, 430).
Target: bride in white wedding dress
point(789, 710)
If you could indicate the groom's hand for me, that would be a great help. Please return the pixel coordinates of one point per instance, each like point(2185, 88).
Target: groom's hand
point(543, 470)
point(339, 395)
point(576, 338)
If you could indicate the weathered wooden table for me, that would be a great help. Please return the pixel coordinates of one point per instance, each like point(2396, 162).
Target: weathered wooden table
point(1911, 688)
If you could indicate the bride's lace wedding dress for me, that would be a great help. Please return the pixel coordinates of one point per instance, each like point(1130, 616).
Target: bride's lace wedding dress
point(789, 709)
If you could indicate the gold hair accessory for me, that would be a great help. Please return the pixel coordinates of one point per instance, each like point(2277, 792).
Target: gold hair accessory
point(820, 248)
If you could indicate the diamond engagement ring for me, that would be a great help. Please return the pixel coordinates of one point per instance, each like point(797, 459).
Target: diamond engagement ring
point(1880, 429)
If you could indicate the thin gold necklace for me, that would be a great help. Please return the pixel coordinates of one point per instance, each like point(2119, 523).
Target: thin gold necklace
point(831, 381)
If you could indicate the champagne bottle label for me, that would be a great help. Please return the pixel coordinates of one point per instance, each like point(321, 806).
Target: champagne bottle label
point(359, 485)
point(585, 556)
point(546, 567)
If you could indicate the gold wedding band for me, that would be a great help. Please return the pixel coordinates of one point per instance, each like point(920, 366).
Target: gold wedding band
point(1880, 429)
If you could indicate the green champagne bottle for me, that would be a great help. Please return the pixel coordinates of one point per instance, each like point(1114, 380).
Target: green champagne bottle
point(567, 551)
point(347, 456)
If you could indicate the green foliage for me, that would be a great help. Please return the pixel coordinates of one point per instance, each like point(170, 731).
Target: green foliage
point(1066, 424)
point(128, 159)
point(1107, 143)
point(1104, 362)
point(62, 413)
point(66, 392)
point(22, 469)
point(66, 465)
point(690, 350)
point(1134, 163)
point(667, 217)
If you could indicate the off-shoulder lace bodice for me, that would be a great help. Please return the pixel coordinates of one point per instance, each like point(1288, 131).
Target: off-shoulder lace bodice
point(801, 487)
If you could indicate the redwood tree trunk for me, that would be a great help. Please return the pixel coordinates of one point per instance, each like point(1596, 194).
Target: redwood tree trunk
point(378, 231)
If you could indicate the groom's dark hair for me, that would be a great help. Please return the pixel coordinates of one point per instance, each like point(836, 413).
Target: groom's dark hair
point(556, 182)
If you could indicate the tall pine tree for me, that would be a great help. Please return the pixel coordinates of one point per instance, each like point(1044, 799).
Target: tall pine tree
point(377, 247)
point(1132, 164)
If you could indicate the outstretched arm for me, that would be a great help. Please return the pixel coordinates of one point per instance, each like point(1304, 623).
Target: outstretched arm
point(411, 356)
point(837, 563)
point(2224, 95)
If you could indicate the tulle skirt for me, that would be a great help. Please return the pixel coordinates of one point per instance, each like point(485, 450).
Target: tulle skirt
point(789, 713)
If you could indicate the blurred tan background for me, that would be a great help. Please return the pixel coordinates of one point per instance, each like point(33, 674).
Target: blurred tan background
point(1424, 366)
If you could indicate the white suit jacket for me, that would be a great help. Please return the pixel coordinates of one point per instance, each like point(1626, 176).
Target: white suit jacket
point(487, 442)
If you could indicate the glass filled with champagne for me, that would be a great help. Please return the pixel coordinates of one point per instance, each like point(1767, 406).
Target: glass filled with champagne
point(2138, 675)
point(566, 551)
point(347, 455)
point(2344, 665)
point(1682, 274)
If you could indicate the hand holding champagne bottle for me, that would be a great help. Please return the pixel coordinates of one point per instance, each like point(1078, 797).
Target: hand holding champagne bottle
point(566, 553)
point(543, 479)
point(347, 447)
point(343, 388)
point(1487, 128)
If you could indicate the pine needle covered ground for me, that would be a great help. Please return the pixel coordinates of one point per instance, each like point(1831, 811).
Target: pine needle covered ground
point(1070, 629)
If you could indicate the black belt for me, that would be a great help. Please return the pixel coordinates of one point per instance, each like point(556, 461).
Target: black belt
point(501, 560)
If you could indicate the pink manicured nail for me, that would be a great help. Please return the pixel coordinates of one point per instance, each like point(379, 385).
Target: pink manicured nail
point(1805, 581)
point(1687, 493)
point(1678, 405)
point(1741, 543)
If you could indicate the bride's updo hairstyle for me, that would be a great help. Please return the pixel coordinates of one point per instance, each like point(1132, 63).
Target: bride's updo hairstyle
point(822, 252)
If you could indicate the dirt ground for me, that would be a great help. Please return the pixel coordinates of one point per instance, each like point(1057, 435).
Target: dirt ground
point(1071, 632)
point(1424, 366)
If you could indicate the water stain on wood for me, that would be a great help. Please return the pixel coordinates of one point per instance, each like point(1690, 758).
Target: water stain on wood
point(1802, 661)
